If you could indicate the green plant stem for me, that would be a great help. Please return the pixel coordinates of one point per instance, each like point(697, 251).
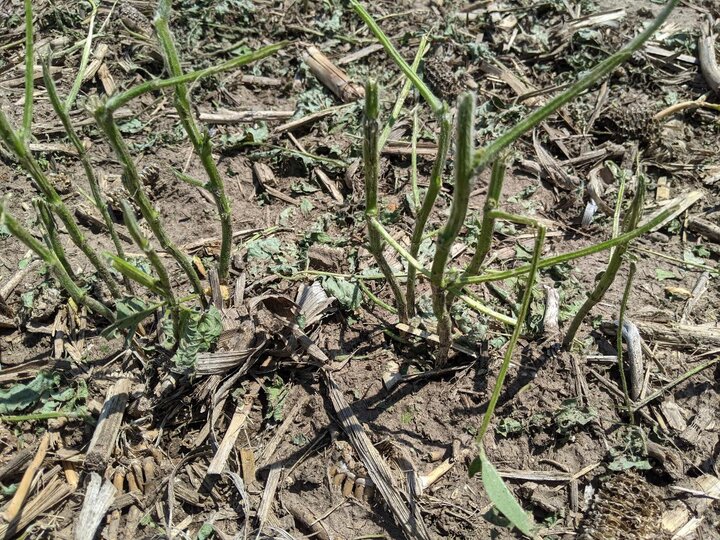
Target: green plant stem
point(489, 153)
point(52, 238)
point(144, 244)
point(131, 181)
point(387, 237)
point(487, 226)
point(403, 94)
point(618, 208)
point(374, 299)
point(458, 210)
point(672, 384)
point(619, 343)
point(525, 306)
point(22, 152)
point(12, 418)
point(413, 165)
point(436, 105)
point(62, 112)
point(200, 141)
point(118, 100)
point(79, 295)
point(29, 73)
point(431, 195)
point(371, 162)
point(657, 221)
point(77, 83)
point(608, 277)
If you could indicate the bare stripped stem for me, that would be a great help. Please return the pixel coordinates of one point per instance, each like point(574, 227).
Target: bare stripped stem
point(660, 219)
point(428, 203)
point(79, 295)
point(371, 162)
point(29, 72)
point(144, 244)
point(487, 226)
point(525, 306)
point(436, 105)
point(458, 210)
point(608, 277)
point(62, 112)
point(19, 147)
point(133, 185)
point(118, 100)
point(200, 141)
point(397, 109)
point(52, 238)
point(619, 343)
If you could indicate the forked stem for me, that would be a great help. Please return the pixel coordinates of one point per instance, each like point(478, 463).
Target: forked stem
point(608, 277)
point(458, 210)
point(19, 147)
point(79, 295)
point(371, 163)
point(428, 203)
point(133, 185)
point(200, 141)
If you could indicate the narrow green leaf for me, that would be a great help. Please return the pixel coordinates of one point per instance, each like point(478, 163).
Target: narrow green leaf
point(503, 499)
point(133, 272)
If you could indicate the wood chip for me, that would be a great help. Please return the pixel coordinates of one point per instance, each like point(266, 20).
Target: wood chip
point(408, 518)
point(98, 498)
point(104, 438)
point(334, 78)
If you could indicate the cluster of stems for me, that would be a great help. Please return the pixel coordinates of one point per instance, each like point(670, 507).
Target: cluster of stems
point(468, 164)
point(50, 205)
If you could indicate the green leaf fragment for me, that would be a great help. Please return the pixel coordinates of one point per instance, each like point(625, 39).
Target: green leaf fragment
point(502, 498)
point(22, 396)
point(198, 333)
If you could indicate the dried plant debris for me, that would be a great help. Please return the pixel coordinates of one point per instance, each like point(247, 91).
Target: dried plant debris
point(624, 508)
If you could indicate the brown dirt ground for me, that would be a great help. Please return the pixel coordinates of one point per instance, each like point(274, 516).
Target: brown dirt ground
point(429, 418)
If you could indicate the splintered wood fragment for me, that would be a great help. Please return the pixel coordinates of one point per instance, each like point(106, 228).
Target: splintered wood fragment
point(266, 179)
point(590, 21)
point(19, 276)
point(655, 50)
point(706, 56)
point(437, 473)
point(13, 508)
point(98, 498)
point(325, 180)
point(98, 58)
point(54, 492)
point(705, 228)
point(310, 118)
point(263, 512)
point(261, 81)
point(242, 411)
point(269, 451)
point(404, 148)
point(334, 78)
point(552, 308)
point(703, 421)
point(409, 519)
point(104, 438)
point(423, 334)
point(362, 53)
point(699, 289)
point(106, 78)
point(681, 334)
point(240, 117)
point(16, 463)
point(247, 463)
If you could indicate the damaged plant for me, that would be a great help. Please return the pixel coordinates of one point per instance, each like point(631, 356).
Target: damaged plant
point(123, 309)
point(447, 285)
